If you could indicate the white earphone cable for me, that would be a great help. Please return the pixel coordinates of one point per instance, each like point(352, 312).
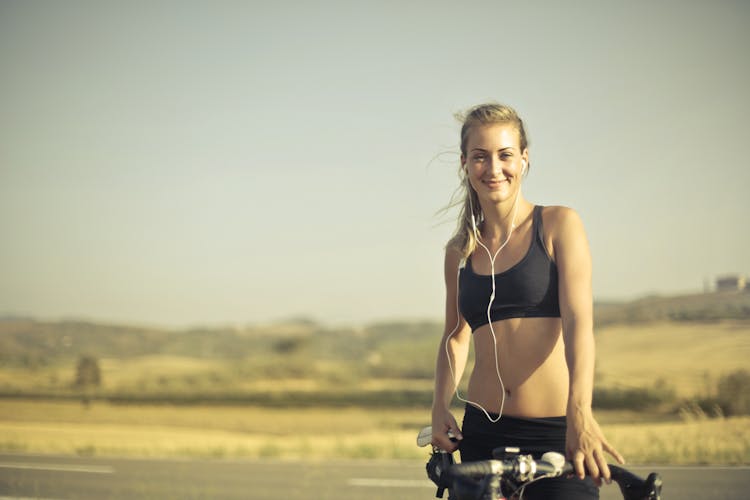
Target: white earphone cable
point(489, 317)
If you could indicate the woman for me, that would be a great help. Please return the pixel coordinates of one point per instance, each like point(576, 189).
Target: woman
point(518, 281)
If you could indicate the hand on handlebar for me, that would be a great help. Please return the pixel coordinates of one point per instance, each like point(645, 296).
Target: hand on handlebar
point(517, 471)
point(585, 446)
point(445, 430)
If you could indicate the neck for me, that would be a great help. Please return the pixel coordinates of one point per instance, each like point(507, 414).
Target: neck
point(500, 218)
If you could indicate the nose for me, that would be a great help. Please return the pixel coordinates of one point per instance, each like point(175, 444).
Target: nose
point(496, 166)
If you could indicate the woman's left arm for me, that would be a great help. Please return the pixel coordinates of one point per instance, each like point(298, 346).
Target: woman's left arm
point(585, 442)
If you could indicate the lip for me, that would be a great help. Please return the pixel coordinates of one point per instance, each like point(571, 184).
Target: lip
point(494, 183)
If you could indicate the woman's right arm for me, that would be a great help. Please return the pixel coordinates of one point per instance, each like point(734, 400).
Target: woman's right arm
point(457, 336)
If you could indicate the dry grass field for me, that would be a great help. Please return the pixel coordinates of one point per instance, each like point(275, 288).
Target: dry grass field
point(315, 433)
point(208, 431)
point(689, 358)
point(691, 441)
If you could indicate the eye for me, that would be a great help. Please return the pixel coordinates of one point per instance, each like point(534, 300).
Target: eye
point(506, 156)
point(479, 157)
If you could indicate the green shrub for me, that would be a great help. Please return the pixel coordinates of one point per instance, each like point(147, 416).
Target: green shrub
point(733, 393)
point(731, 398)
point(638, 398)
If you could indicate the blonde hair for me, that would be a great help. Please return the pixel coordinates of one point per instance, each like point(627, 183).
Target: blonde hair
point(464, 239)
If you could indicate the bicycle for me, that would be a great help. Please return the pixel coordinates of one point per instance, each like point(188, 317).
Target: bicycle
point(510, 471)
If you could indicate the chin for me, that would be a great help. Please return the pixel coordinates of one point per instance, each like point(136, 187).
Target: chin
point(500, 196)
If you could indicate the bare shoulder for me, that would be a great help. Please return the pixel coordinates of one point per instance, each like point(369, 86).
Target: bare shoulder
point(560, 220)
point(453, 256)
point(564, 231)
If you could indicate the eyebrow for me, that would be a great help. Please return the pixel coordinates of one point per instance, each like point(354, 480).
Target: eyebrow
point(485, 150)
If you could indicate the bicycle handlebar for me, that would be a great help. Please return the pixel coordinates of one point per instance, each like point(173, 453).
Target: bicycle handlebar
point(523, 469)
point(635, 488)
point(511, 467)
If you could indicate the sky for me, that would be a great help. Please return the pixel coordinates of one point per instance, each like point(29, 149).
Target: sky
point(182, 163)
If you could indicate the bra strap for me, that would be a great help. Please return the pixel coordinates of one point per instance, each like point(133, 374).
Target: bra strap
point(540, 229)
point(538, 225)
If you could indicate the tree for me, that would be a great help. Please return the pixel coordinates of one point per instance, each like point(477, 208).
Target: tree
point(88, 373)
point(88, 376)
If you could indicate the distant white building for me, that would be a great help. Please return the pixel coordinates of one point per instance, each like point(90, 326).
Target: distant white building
point(731, 283)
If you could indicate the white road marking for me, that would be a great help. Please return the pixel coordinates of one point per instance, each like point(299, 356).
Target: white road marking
point(27, 498)
point(90, 469)
point(657, 468)
point(390, 483)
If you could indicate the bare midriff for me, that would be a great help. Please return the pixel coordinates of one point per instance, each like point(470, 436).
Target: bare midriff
point(531, 357)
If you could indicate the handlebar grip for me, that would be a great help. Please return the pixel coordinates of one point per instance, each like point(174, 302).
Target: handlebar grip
point(634, 487)
point(476, 469)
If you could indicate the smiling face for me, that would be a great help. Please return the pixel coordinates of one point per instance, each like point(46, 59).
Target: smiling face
point(494, 161)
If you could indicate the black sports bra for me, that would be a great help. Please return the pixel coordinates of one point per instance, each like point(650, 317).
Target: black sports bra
point(526, 290)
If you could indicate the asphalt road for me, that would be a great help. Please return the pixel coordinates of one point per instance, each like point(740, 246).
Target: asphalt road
point(61, 478)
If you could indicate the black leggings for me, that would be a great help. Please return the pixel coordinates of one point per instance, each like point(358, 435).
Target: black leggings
point(534, 436)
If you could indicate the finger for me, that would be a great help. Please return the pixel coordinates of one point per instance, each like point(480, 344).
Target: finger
point(441, 440)
point(455, 429)
point(603, 467)
point(578, 465)
point(592, 467)
point(443, 443)
point(451, 436)
point(609, 449)
point(446, 445)
point(455, 433)
point(453, 445)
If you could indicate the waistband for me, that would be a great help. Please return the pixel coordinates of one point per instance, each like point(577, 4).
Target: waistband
point(532, 435)
point(472, 412)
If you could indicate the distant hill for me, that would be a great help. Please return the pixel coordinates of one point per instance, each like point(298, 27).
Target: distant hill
point(33, 341)
point(28, 342)
point(386, 363)
point(694, 307)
